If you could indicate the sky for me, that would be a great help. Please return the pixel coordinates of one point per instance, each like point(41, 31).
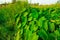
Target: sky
point(3, 1)
point(41, 2)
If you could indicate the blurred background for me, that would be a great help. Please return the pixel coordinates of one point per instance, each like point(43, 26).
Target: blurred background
point(40, 2)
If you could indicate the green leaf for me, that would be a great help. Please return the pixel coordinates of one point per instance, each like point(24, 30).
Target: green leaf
point(25, 14)
point(30, 18)
point(45, 25)
point(43, 34)
point(57, 33)
point(34, 13)
point(24, 21)
point(34, 36)
point(51, 27)
point(52, 36)
point(40, 22)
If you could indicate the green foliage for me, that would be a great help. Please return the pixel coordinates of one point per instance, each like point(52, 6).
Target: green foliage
point(19, 22)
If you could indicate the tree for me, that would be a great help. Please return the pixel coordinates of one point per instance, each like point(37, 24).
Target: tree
point(14, 1)
point(58, 2)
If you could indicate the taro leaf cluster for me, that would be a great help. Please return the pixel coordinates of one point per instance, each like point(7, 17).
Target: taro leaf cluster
point(39, 24)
